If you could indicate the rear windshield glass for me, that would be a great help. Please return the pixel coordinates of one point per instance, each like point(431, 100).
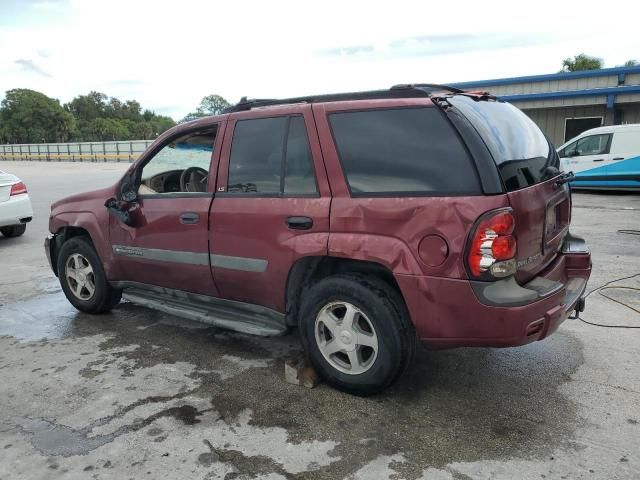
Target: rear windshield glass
point(519, 148)
point(408, 151)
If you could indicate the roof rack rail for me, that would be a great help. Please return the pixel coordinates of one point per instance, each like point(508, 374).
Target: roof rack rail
point(397, 91)
point(428, 87)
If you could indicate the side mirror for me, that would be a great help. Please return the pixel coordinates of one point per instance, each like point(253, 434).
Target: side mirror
point(127, 191)
point(123, 211)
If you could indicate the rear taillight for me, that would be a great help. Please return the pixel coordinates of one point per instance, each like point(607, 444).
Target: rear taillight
point(492, 249)
point(18, 189)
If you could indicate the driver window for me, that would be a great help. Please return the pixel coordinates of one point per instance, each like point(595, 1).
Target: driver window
point(180, 166)
point(568, 151)
point(592, 145)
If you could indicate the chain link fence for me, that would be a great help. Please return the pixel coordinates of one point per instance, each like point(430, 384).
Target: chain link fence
point(125, 151)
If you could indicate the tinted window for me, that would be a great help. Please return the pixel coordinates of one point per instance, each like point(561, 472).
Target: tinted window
point(260, 155)
point(299, 177)
point(517, 145)
point(408, 150)
point(593, 145)
point(568, 151)
point(256, 155)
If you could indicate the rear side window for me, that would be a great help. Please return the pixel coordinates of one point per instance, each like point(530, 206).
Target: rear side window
point(271, 156)
point(408, 151)
point(519, 148)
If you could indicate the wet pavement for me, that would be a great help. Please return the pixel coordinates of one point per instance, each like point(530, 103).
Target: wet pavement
point(141, 394)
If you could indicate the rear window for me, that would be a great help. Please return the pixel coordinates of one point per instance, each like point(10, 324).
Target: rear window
point(520, 150)
point(409, 151)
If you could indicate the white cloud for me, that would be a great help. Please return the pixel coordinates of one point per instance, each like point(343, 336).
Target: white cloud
point(168, 55)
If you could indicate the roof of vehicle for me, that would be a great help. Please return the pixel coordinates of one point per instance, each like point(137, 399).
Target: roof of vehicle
point(601, 130)
point(397, 91)
point(417, 90)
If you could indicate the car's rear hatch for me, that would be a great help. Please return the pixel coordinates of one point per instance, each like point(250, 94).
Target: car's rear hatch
point(528, 165)
point(6, 180)
point(542, 220)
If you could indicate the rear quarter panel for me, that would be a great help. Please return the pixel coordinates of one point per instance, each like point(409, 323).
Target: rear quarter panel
point(388, 230)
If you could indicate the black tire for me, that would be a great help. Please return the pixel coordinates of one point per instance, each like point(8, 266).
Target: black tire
point(386, 313)
point(104, 297)
point(14, 230)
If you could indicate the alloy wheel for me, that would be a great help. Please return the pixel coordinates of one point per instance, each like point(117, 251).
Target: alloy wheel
point(346, 338)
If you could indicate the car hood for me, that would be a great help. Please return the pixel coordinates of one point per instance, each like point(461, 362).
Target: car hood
point(82, 201)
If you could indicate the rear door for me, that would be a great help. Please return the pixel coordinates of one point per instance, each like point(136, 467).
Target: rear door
point(272, 203)
point(527, 164)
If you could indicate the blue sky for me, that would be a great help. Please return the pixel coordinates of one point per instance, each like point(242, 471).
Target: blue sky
point(168, 55)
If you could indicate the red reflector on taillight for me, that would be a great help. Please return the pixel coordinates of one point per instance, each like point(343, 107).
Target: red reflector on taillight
point(492, 242)
point(502, 224)
point(504, 247)
point(18, 189)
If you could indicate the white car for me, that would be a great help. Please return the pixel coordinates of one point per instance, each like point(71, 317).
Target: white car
point(15, 205)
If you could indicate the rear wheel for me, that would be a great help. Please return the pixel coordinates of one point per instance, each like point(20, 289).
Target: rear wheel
point(82, 277)
point(13, 230)
point(356, 331)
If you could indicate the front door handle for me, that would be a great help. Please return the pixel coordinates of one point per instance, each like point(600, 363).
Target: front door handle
point(299, 223)
point(619, 158)
point(189, 218)
point(599, 160)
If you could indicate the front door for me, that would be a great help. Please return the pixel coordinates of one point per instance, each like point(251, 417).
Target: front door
point(588, 153)
point(271, 206)
point(168, 245)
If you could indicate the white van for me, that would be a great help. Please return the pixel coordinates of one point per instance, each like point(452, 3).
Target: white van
point(600, 146)
point(604, 157)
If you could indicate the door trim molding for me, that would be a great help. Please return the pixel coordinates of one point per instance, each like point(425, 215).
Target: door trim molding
point(245, 264)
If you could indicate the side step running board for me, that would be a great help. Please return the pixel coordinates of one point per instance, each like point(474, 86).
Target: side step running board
point(228, 314)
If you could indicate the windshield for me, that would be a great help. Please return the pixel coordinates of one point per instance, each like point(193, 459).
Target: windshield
point(521, 151)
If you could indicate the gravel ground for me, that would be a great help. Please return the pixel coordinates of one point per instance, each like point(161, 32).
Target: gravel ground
point(140, 394)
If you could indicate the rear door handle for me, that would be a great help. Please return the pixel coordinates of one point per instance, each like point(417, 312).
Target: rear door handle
point(299, 223)
point(189, 218)
point(599, 160)
point(619, 158)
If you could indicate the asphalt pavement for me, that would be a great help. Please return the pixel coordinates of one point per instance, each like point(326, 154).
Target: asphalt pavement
point(141, 394)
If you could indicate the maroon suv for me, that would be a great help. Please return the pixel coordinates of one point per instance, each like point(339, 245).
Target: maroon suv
point(368, 220)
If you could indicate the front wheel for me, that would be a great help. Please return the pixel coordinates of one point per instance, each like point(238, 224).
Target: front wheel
point(82, 277)
point(13, 230)
point(356, 331)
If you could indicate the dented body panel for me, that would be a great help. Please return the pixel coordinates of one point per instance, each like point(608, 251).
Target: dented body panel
point(243, 247)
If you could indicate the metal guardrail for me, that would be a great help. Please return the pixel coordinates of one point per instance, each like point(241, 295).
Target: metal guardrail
point(124, 151)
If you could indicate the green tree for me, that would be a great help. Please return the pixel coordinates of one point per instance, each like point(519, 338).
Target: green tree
point(581, 62)
point(209, 105)
point(630, 63)
point(32, 117)
point(119, 120)
point(109, 129)
point(86, 108)
point(28, 116)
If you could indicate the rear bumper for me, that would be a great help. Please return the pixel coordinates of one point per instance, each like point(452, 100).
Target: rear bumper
point(454, 313)
point(16, 210)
